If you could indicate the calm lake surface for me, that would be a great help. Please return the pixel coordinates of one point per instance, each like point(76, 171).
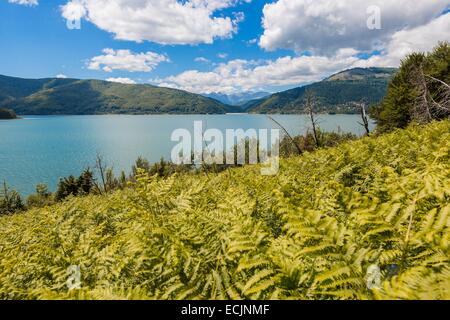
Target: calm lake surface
point(41, 149)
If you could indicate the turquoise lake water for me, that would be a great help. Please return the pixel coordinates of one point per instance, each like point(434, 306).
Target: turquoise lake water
point(41, 149)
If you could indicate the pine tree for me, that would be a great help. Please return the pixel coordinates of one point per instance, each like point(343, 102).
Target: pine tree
point(419, 92)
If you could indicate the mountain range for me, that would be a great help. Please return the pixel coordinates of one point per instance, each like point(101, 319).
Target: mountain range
point(237, 99)
point(52, 96)
point(336, 94)
point(78, 97)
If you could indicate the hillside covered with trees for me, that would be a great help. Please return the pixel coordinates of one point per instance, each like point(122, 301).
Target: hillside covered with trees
point(339, 93)
point(79, 97)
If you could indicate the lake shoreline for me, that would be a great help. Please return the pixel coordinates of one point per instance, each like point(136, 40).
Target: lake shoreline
point(40, 149)
point(20, 116)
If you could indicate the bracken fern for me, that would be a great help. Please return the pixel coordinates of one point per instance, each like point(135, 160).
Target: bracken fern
point(311, 232)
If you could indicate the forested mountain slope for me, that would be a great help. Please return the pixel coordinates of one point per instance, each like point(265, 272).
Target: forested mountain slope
point(336, 94)
point(71, 96)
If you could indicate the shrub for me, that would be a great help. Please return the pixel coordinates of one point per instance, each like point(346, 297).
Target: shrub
point(41, 198)
point(10, 201)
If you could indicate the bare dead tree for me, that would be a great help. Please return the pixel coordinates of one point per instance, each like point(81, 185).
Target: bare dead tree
point(422, 112)
point(365, 119)
point(441, 102)
point(297, 146)
point(433, 101)
point(440, 81)
point(309, 107)
point(102, 171)
point(4, 193)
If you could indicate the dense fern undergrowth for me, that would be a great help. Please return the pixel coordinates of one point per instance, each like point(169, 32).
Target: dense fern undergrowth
point(311, 232)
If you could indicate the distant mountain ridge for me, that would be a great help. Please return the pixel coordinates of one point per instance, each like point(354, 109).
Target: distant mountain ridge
point(358, 74)
point(78, 97)
point(237, 99)
point(335, 94)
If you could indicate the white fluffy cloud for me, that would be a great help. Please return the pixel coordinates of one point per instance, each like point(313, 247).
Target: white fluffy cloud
point(402, 43)
point(61, 76)
point(202, 60)
point(324, 26)
point(162, 21)
point(222, 55)
point(243, 75)
point(121, 80)
point(73, 10)
point(126, 60)
point(25, 2)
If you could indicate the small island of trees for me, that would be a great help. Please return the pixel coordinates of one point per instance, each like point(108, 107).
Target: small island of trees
point(7, 114)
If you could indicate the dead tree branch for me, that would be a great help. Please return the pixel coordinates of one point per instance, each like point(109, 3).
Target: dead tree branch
point(297, 146)
point(309, 106)
point(365, 119)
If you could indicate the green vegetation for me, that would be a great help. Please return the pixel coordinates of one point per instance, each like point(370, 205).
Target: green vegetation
point(311, 232)
point(337, 94)
point(419, 92)
point(320, 229)
point(80, 97)
point(75, 187)
point(6, 114)
point(41, 198)
point(10, 201)
point(308, 143)
point(102, 179)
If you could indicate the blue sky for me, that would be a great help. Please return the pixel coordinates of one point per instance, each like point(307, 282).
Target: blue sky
point(212, 45)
